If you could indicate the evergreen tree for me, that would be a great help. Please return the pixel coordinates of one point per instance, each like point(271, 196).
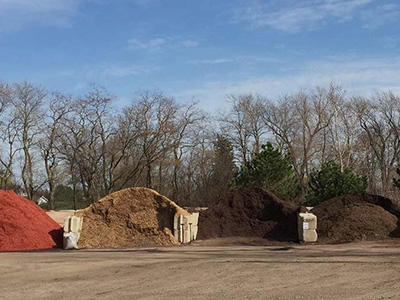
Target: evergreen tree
point(269, 169)
point(223, 168)
point(331, 182)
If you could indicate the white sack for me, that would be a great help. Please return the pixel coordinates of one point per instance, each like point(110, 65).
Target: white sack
point(70, 240)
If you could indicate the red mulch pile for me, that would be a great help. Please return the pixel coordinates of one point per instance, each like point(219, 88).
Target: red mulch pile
point(251, 212)
point(25, 226)
point(357, 217)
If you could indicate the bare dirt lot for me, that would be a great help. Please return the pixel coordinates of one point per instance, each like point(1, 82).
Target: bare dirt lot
point(362, 270)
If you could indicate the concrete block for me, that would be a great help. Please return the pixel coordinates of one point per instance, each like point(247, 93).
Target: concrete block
point(185, 227)
point(310, 236)
point(73, 224)
point(307, 226)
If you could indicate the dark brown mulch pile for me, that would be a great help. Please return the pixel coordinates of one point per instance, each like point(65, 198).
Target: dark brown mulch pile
point(249, 212)
point(357, 217)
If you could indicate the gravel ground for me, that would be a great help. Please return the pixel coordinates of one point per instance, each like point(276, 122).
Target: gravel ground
point(214, 270)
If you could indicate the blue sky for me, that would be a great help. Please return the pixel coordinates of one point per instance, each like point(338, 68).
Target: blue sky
point(201, 49)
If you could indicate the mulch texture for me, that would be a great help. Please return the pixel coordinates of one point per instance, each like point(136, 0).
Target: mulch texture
point(357, 217)
point(252, 212)
point(128, 218)
point(26, 226)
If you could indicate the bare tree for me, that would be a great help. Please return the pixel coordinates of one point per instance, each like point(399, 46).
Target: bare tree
point(59, 107)
point(198, 166)
point(380, 120)
point(156, 128)
point(127, 161)
point(5, 96)
point(9, 131)
point(86, 142)
point(71, 145)
point(188, 117)
point(244, 124)
point(339, 138)
point(27, 106)
point(297, 122)
point(91, 146)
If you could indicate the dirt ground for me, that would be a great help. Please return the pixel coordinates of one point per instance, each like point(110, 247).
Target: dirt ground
point(220, 269)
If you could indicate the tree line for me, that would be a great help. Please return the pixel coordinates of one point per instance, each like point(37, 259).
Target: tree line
point(52, 141)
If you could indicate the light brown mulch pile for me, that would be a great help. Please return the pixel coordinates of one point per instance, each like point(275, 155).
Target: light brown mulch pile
point(130, 217)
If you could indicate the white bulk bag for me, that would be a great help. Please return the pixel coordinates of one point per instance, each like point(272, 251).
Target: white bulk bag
point(70, 240)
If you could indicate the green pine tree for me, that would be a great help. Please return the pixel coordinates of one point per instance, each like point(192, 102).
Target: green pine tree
point(331, 181)
point(272, 170)
point(223, 167)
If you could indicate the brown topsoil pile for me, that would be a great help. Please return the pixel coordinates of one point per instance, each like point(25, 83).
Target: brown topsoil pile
point(130, 217)
point(251, 212)
point(357, 217)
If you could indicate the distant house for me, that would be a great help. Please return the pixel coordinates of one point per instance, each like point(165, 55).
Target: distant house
point(42, 200)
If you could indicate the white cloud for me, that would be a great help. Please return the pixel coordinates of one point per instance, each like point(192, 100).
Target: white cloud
point(293, 16)
point(150, 44)
point(243, 59)
point(363, 77)
point(389, 42)
point(116, 71)
point(189, 43)
point(160, 42)
point(144, 2)
point(382, 15)
point(212, 61)
point(66, 73)
point(17, 13)
point(36, 5)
